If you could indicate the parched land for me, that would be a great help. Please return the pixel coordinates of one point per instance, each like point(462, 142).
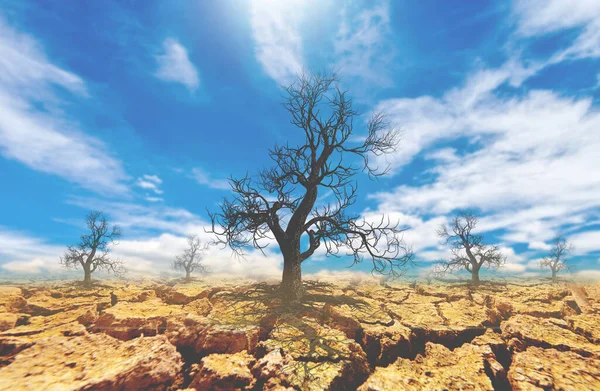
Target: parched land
point(226, 335)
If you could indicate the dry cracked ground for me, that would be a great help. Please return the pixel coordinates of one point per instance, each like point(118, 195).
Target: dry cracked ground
point(236, 336)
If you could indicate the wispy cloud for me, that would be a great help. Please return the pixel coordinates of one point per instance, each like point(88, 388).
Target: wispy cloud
point(205, 179)
point(539, 17)
point(536, 17)
point(22, 253)
point(530, 183)
point(275, 27)
point(174, 65)
point(150, 182)
point(34, 128)
point(363, 46)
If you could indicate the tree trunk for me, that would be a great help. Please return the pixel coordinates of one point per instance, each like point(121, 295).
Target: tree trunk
point(87, 276)
point(475, 276)
point(554, 279)
point(188, 277)
point(291, 282)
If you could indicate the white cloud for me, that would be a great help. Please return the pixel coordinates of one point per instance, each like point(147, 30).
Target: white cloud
point(152, 178)
point(21, 253)
point(587, 275)
point(538, 17)
point(278, 44)
point(515, 263)
point(154, 199)
point(530, 172)
point(46, 139)
point(154, 255)
point(175, 66)
point(363, 44)
point(150, 182)
point(139, 220)
point(420, 235)
point(544, 16)
point(204, 178)
point(585, 242)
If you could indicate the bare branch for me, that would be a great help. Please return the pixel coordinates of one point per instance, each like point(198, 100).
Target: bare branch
point(555, 261)
point(92, 251)
point(328, 159)
point(468, 250)
point(191, 259)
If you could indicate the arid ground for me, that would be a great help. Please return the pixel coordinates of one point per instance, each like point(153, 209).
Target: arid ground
point(347, 335)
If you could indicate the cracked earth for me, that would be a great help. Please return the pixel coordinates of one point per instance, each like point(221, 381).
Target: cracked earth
point(236, 335)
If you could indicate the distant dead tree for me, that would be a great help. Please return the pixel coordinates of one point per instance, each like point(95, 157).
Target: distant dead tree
point(468, 250)
point(555, 261)
point(92, 251)
point(325, 161)
point(191, 259)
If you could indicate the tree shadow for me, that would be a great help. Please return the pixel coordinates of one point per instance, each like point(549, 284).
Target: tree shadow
point(315, 356)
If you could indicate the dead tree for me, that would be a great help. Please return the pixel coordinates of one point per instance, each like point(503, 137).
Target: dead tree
point(555, 261)
point(468, 250)
point(92, 251)
point(327, 160)
point(191, 259)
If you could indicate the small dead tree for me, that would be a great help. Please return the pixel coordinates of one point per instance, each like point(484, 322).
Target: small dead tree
point(555, 261)
point(322, 162)
point(468, 250)
point(191, 259)
point(92, 251)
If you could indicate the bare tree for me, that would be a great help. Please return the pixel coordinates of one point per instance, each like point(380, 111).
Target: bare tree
point(92, 251)
point(327, 160)
point(555, 261)
point(191, 259)
point(468, 250)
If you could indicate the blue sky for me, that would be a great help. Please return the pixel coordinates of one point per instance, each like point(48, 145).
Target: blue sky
point(143, 109)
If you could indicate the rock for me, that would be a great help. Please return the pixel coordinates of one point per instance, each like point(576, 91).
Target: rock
point(11, 299)
point(547, 333)
point(306, 339)
point(270, 365)
point(96, 362)
point(10, 347)
point(581, 296)
point(587, 325)
point(539, 309)
point(207, 337)
point(464, 313)
point(201, 307)
point(71, 322)
point(227, 339)
point(416, 316)
point(8, 321)
point(221, 372)
point(384, 344)
point(447, 323)
point(184, 294)
point(184, 332)
point(174, 297)
point(317, 357)
point(128, 320)
point(549, 369)
point(42, 304)
point(490, 338)
point(144, 296)
point(505, 309)
point(440, 369)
